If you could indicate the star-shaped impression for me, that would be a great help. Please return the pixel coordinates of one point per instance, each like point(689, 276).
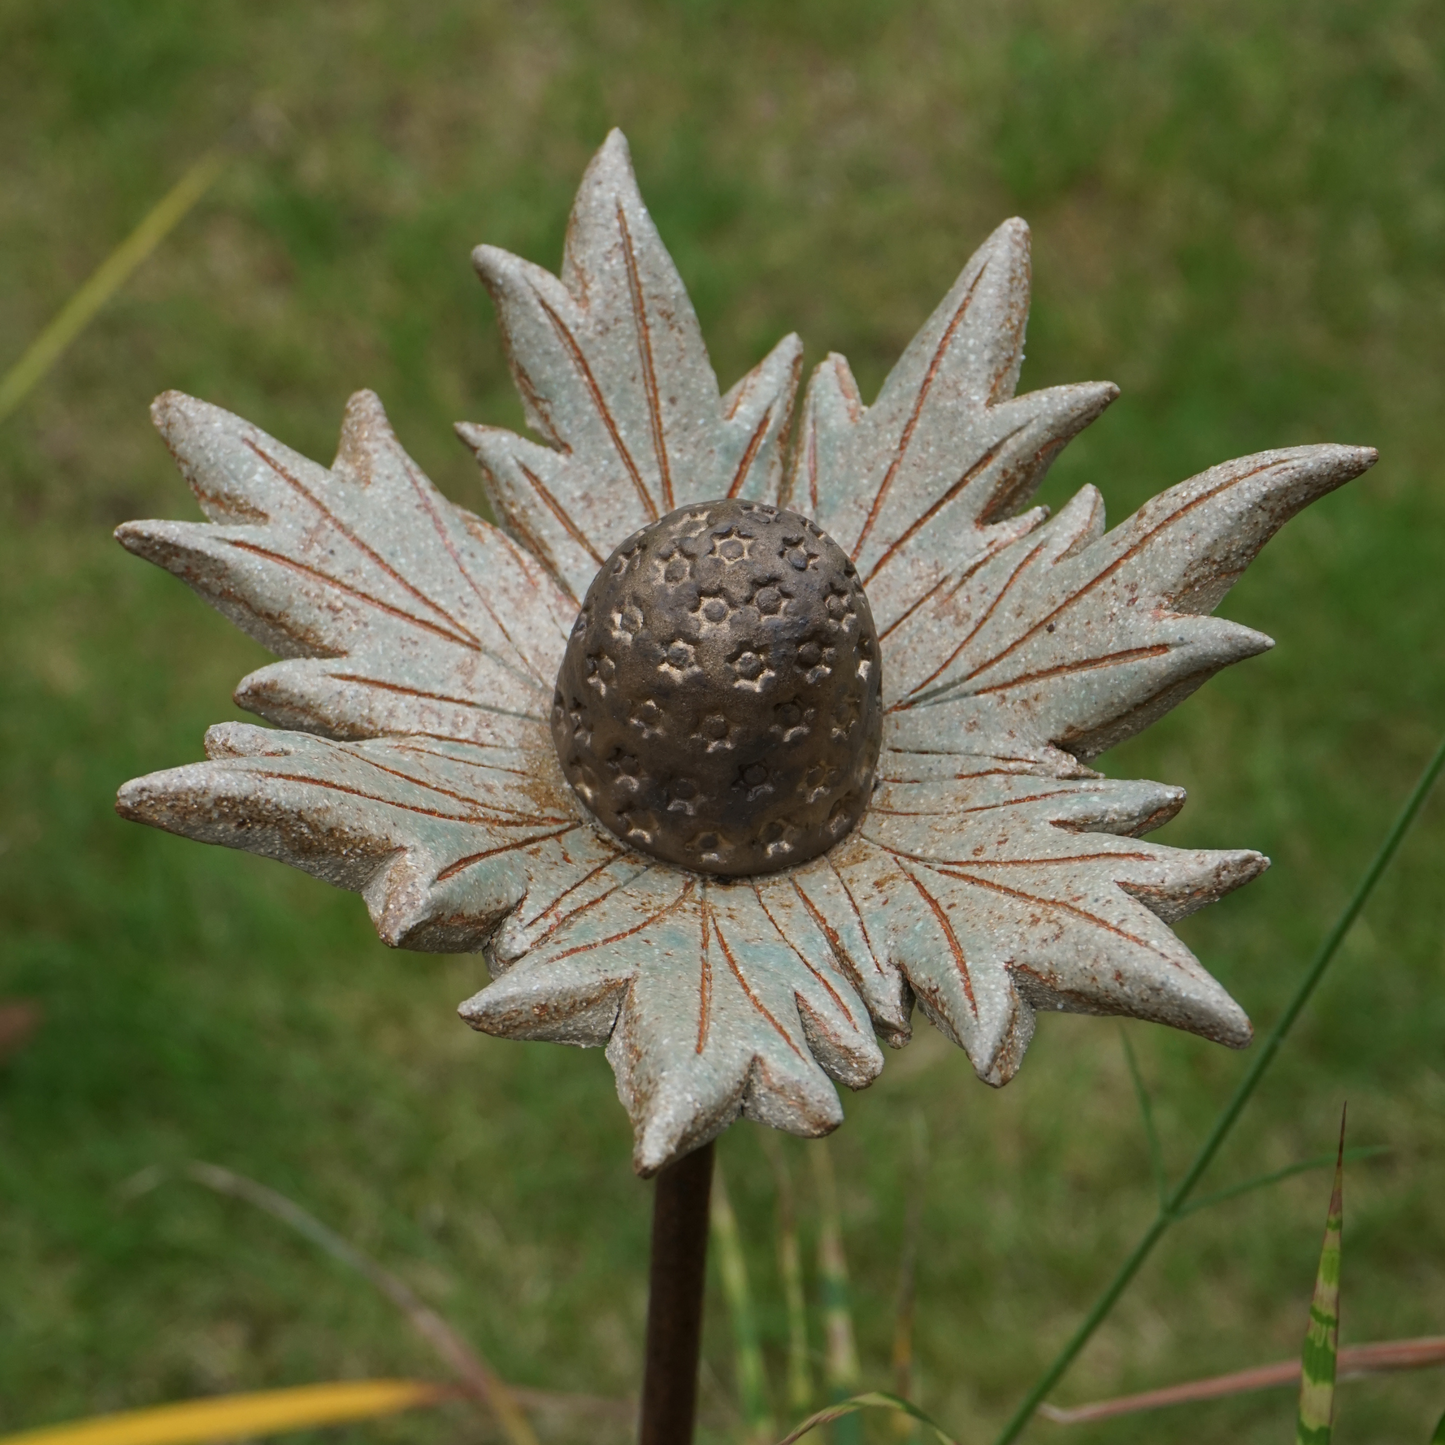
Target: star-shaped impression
point(991, 873)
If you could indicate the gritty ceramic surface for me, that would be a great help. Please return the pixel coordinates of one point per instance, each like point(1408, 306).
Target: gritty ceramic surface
point(993, 873)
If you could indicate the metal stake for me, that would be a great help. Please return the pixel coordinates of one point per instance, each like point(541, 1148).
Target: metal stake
point(674, 1300)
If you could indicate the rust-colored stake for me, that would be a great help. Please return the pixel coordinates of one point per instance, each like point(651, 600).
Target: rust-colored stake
point(674, 1300)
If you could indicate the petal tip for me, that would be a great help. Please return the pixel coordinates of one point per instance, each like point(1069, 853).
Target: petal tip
point(1234, 1030)
point(141, 800)
point(473, 1011)
point(168, 408)
point(125, 801)
point(492, 263)
point(1241, 866)
point(133, 536)
point(364, 408)
point(1357, 459)
point(658, 1144)
point(616, 145)
point(1013, 232)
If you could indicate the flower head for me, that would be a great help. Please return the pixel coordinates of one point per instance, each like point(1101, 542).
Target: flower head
point(733, 739)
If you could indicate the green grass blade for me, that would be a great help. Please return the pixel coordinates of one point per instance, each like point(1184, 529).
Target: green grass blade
point(1438, 1438)
point(1263, 1181)
point(790, 1268)
point(1146, 1113)
point(752, 1381)
point(106, 280)
point(1322, 1338)
point(842, 1369)
point(846, 1410)
point(1228, 1116)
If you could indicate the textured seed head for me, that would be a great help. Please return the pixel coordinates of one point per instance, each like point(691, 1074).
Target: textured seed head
point(720, 703)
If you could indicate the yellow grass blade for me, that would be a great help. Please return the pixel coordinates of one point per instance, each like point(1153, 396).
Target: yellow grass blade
point(231, 1417)
point(872, 1400)
point(106, 280)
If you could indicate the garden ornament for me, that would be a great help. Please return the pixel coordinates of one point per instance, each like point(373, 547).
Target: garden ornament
point(738, 733)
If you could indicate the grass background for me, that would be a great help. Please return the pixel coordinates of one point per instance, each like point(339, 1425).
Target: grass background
point(1239, 215)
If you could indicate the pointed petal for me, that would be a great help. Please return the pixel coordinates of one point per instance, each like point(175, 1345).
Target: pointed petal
point(392, 605)
point(442, 839)
point(884, 463)
point(920, 487)
point(1079, 640)
point(534, 495)
point(916, 552)
point(759, 410)
point(613, 373)
point(709, 1007)
point(999, 888)
point(814, 906)
point(970, 999)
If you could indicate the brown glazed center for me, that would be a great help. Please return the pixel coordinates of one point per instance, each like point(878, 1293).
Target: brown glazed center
point(720, 703)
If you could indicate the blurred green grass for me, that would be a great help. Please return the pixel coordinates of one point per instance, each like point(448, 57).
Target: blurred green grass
point(1239, 215)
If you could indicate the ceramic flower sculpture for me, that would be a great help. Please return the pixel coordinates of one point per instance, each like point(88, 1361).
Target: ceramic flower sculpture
point(739, 732)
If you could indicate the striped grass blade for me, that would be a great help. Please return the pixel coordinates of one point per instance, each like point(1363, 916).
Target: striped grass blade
point(1317, 1360)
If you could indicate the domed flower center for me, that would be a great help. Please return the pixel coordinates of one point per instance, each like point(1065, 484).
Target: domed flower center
point(720, 703)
